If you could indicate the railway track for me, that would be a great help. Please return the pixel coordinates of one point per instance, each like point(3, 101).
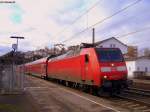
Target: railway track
point(134, 99)
point(141, 92)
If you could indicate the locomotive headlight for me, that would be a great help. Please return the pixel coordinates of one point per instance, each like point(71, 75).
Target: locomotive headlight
point(105, 69)
point(121, 68)
point(105, 77)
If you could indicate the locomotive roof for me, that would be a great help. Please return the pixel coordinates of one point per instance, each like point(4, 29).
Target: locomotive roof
point(67, 54)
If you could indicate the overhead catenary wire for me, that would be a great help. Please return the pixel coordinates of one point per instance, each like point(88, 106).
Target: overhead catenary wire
point(76, 19)
point(101, 21)
point(130, 33)
point(140, 42)
point(118, 36)
point(134, 32)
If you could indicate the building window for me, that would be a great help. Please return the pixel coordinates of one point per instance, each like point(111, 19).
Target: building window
point(112, 45)
point(138, 68)
point(146, 69)
point(129, 68)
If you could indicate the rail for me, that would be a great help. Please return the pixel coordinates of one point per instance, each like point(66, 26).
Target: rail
point(138, 91)
point(138, 95)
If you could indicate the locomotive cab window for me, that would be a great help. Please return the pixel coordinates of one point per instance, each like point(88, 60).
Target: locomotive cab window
point(109, 55)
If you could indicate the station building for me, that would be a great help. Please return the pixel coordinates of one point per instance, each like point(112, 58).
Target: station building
point(113, 43)
point(138, 66)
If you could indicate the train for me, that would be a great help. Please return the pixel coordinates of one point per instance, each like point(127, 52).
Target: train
point(98, 70)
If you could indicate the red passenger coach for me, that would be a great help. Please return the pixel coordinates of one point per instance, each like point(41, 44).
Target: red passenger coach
point(93, 68)
point(36, 68)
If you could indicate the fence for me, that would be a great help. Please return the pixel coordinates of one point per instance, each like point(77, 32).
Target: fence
point(142, 75)
point(11, 81)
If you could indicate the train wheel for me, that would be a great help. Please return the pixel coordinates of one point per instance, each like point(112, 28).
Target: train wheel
point(102, 92)
point(94, 90)
point(66, 83)
point(81, 87)
point(70, 84)
point(113, 92)
point(45, 78)
point(85, 88)
point(42, 77)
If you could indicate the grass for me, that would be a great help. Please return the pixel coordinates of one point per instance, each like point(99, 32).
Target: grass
point(9, 108)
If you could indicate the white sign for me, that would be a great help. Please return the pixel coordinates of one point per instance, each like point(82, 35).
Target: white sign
point(14, 46)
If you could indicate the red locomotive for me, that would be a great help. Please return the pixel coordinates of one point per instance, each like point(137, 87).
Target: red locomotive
point(95, 69)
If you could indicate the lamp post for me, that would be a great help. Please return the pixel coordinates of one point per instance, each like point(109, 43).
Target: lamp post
point(15, 47)
point(16, 37)
point(93, 37)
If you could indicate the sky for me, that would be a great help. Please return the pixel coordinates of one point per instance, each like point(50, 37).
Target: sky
point(44, 23)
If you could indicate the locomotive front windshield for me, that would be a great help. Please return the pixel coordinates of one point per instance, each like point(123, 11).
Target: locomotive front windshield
point(109, 55)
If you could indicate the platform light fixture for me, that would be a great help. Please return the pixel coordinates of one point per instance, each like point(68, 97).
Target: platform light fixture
point(17, 37)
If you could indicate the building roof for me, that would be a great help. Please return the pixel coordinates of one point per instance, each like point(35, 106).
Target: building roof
point(100, 42)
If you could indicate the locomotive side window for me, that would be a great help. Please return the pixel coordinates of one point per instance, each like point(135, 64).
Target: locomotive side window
point(86, 58)
point(105, 55)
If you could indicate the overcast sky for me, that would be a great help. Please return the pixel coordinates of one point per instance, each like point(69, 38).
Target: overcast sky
point(41, 22)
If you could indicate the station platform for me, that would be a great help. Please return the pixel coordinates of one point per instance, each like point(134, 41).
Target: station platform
point(141, 83)
point(51, 97)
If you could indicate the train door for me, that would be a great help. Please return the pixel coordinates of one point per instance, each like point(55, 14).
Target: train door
point(88, 70)
point(84, 67)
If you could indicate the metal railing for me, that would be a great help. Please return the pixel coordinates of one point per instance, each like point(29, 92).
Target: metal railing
point(11, 80)
point(142, 75)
